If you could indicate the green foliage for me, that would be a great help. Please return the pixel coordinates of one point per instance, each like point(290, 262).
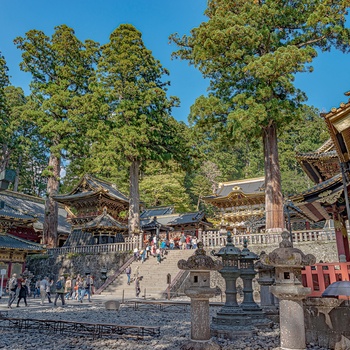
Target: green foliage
point(250, 51)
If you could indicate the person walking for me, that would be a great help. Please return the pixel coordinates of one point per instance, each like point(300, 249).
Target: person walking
point(128, 273)
point(12, 287)
point(60, 285)
point(86, 289)
point(22, 292)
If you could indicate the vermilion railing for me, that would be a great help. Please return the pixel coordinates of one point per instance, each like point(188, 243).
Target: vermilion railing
point(319, 276)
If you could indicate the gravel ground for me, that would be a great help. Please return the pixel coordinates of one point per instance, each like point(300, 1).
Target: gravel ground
point(174, 326)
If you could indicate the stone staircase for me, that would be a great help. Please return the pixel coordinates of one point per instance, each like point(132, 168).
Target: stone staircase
point(153, 276)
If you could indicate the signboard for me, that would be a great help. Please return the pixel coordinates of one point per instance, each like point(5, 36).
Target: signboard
point(2, 272)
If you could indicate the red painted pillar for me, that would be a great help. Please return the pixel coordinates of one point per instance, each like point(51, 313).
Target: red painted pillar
point(341, 237)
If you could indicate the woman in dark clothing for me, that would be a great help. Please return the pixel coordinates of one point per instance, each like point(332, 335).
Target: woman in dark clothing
point(22, 292)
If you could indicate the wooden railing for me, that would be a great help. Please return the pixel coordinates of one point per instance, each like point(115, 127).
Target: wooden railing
point(210, 239)
point(319, 276)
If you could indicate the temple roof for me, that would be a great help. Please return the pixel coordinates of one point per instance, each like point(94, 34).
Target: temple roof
point(12, 242)
point(314, 200)
point(90, 186)
point(322, 164)
point(338, 122)
point(104, 222)
point(157, 211)
point(22, 205)
point(181, 219)
point(239, 193)
point(14, 214)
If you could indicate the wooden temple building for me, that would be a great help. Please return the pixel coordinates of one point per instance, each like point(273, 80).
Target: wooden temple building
point(328, 168)
point(21, 227)
point(163, 221)
point(242, 204)
point(97, 212)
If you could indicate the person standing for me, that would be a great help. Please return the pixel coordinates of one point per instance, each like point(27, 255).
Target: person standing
point(44, 283)
point(68, 288)
point(22, 292)
point(86, 289)
point(60, 285)
point(128, 273)
point(48, 290)
point(137, 286)
point(12, 287)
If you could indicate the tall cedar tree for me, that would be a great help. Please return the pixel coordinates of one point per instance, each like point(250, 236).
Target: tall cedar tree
point(25, 149)
point(4, 82)
point(137, 125)
point(250, 51)
point(61, 67)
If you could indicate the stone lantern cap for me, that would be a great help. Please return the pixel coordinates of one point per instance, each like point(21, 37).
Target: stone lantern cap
point(246, 254)
point(199, 261)
point(286, 255)
point(229, 251)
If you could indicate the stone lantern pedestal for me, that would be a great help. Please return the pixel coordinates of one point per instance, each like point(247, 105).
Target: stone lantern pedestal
point(231, 321)
point(288, 288)
point(200, 292)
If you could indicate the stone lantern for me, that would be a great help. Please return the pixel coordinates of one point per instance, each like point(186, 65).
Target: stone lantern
point(288, 262)
point(247, 274)
point(231, 320)
point(199, 291)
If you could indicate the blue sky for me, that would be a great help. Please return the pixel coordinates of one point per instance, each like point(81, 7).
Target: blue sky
point(156, 19)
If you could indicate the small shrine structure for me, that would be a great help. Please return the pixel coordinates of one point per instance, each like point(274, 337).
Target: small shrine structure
point(167, 224)
point(14, 249)
point(97, 212)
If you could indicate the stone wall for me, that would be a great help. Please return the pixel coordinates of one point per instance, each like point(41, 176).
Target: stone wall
point(73, 264)
point(327, 322)
point(324, 251)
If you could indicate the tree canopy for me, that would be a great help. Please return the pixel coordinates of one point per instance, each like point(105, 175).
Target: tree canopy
point(251, 50)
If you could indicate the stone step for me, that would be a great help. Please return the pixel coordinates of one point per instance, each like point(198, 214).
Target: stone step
point(153, 275)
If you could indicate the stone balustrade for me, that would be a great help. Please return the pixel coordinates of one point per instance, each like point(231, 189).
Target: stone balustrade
point(210, 239)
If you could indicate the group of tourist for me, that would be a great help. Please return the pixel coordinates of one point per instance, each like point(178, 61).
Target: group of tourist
point(157, 248)
point(75, 288)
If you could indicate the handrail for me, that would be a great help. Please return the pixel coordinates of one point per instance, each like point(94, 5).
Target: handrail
point(112, 278)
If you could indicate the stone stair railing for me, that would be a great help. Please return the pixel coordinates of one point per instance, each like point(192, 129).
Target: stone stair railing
point(112, 278)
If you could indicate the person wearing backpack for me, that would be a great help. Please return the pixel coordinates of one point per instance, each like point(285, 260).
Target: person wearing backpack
point(60, 286)
point(12, 287)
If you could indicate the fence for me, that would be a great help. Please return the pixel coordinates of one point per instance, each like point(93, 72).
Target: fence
point(319, 276)
point(129, 245)
point(216, 239)
point(210, 239)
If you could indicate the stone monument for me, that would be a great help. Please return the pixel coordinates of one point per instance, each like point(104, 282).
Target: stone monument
point(288, 262)
point(199, 291)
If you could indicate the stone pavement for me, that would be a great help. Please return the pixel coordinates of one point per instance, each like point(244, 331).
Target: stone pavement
point(174, 326)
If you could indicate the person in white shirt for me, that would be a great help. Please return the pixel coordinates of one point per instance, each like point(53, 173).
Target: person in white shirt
point(44, 284)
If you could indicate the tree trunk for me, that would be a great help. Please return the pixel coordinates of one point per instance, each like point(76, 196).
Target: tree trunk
point(273, 193)
point(50, 237)
point(134, 207)
point(19, 164)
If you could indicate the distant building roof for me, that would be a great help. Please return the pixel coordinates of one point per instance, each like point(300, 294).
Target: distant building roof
point(157, 211)
point(91, 186)
point(103, 222)
point(12, 242)
point(179, 219)
point(19, 204)
point(239, 193)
